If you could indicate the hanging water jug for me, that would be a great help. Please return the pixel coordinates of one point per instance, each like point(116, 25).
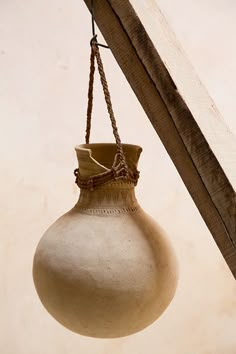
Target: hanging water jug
point(105, 269)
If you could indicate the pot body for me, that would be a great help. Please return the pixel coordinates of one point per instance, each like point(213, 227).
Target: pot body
point(105, 269)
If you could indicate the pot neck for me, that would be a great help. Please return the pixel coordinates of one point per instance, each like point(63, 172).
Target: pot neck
point(118, 195)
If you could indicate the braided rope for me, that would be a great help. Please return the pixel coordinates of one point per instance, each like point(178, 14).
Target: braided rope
point(116, 173)
point(90, 96)
point(120, 169)
point(109, 108)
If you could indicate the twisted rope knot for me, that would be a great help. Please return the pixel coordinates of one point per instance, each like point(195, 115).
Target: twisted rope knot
point(90, 184)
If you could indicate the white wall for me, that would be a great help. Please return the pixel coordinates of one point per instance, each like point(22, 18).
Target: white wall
point(44, 62)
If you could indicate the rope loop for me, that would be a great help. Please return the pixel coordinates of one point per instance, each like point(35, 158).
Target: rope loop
point(120, 169)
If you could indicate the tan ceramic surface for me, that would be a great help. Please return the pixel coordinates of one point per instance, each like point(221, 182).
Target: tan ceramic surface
point(105, 269)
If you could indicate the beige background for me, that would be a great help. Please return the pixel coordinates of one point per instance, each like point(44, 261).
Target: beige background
point(43, 86)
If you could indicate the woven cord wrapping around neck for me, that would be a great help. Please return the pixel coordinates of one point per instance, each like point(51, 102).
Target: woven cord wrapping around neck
point(120, 169)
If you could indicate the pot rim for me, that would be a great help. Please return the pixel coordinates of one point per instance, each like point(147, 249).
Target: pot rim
point(84, 146)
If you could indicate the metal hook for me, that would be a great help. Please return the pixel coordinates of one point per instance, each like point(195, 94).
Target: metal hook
point(94, 38)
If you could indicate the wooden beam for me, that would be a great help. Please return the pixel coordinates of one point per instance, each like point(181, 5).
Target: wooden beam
point(179, 108)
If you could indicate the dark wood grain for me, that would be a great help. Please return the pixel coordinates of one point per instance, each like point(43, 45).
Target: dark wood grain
point(194, 155)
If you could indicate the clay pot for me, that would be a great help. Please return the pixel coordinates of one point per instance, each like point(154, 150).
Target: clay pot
point(105, 269)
